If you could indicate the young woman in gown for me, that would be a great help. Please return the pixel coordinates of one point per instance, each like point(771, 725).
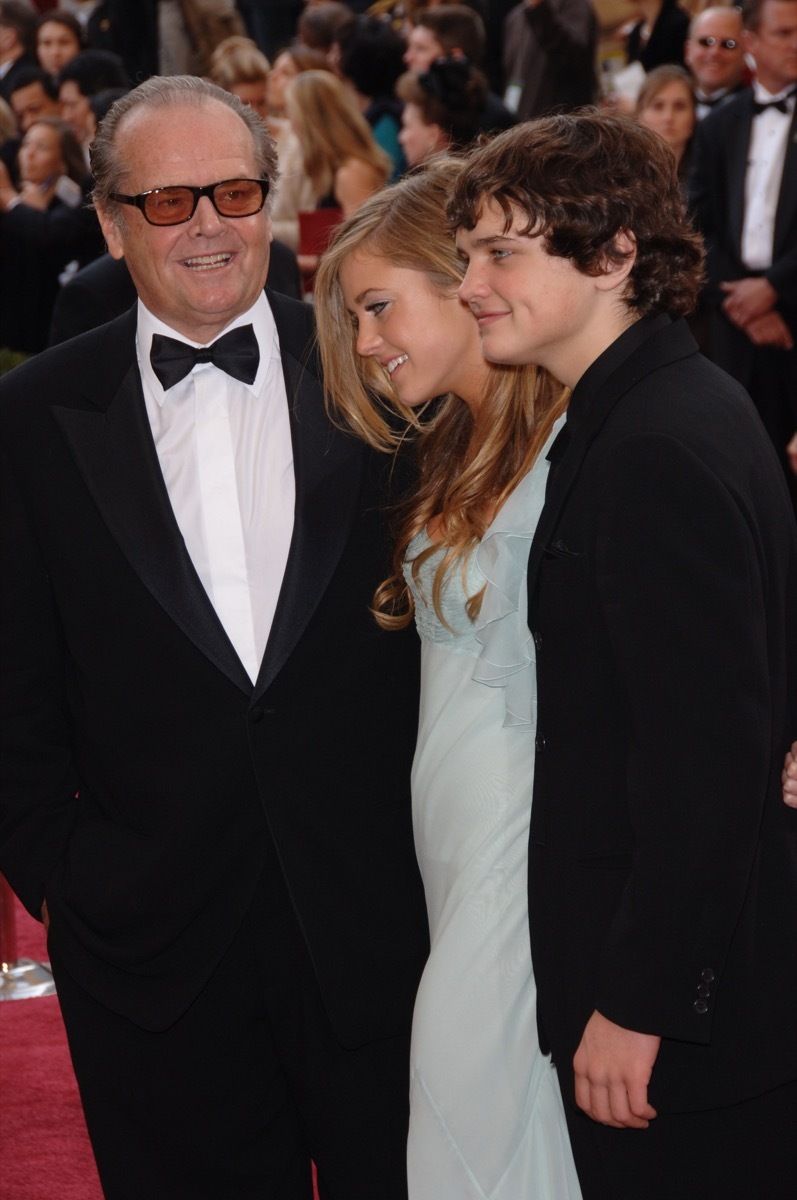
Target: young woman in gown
point(486, 1112)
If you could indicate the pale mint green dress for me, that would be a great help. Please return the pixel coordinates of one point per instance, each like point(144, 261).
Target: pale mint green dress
point(486, 1121)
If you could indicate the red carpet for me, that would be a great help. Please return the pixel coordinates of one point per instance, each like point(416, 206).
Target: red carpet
point(44, 1148)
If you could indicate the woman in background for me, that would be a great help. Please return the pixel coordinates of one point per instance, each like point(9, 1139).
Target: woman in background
point(44, 226)
point(59, 39)
point(666, 104)
point(442, 108)
point(341, 158)
point(486, 1113)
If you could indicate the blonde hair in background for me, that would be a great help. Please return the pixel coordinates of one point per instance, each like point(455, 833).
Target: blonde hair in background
point(330, 129)
point(467, 466)
point(237, 60)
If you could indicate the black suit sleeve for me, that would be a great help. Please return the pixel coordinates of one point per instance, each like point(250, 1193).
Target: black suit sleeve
point(682, 595)
point(38, 780)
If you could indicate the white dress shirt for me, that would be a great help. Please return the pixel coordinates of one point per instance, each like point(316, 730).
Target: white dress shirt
point(226, 455)
point(766, 155)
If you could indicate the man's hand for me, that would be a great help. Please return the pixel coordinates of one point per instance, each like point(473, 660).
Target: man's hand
point(789, 774)
point(770, 330)
point(613, 1068)
point(746, 299)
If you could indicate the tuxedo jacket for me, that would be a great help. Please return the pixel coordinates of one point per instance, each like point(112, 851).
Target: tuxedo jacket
point(717, 199)
point(663, 604)
point(142, 772)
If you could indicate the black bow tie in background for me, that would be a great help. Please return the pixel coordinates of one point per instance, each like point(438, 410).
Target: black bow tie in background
point(781, 105)
point(236, 353)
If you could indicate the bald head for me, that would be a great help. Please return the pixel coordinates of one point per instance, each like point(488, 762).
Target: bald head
point(713, 50)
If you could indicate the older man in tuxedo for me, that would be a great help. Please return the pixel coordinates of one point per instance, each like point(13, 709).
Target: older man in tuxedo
point(744, 195)
point(206, 740)
point(714, 53)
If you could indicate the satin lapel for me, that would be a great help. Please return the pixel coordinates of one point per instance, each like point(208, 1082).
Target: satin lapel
point(328, 466)
point(786, 214)
point(665, 345)
point(113, 449)
point(738, 145)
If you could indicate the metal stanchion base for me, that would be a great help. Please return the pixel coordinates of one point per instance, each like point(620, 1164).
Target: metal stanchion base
point(25, 980)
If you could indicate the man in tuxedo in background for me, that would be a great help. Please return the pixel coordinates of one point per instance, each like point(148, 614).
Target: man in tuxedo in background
point(206, 740)
point(662, 591)
point(743, 192)
point(714, 54)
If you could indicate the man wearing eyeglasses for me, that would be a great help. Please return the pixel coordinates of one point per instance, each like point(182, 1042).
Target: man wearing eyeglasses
point(743, 192)
point(206, 740)
point(715, 56)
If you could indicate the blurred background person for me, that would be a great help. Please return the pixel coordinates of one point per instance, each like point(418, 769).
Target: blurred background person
point(34, 95)
point(294, 192)
point(59, 38)
point(44, 226)
point(341, 158)
point(455, 31)
point(441, 108)
point(666, 104)
point(714, 54)
point(238, 66)
point(658, 34)
point(549, 56)
point(82, 77)
point(368, 55)
point(319, 23)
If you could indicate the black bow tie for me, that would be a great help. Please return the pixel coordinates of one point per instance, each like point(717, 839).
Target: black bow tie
point(781, 105)
point(236, 352)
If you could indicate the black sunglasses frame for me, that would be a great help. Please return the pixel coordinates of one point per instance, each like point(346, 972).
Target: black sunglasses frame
point(140, 200)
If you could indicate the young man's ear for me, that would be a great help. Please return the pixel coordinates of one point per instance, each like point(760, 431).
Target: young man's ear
point(615, 271)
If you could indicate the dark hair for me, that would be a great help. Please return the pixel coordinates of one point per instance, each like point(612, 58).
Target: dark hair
point(451, 94)
point(100, 103)
point(371, 55)
point(94, 70)
point(456, 27)
point(317, 26)
point(170, 91)
point(751, 13)
point(69, 146)
point(22, 18)
point(59, 17)
point(579, 179)
point(29, 75)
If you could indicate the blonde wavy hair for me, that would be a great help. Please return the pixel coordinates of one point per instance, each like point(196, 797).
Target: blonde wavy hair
point(468, 466)
point(330, 128)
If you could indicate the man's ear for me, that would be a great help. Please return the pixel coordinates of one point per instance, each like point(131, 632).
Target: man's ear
point(110, 231)
point(615, 271)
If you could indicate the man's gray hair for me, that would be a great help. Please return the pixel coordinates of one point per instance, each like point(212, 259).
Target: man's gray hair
point(171, 91)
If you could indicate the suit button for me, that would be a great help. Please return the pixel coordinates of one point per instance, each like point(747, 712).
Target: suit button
point(704, 992)
point(707, 975)
point(700, 1007)
point(539, 742)
point(537, 639)
point(256, 714)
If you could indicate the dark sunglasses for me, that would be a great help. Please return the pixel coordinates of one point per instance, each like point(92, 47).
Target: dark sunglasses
point(725, 43)
point(174, 205)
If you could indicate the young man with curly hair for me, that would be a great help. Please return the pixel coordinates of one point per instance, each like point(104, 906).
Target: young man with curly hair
point(663, 606)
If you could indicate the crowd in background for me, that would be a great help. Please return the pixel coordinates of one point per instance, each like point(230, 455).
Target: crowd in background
point(355, 95)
